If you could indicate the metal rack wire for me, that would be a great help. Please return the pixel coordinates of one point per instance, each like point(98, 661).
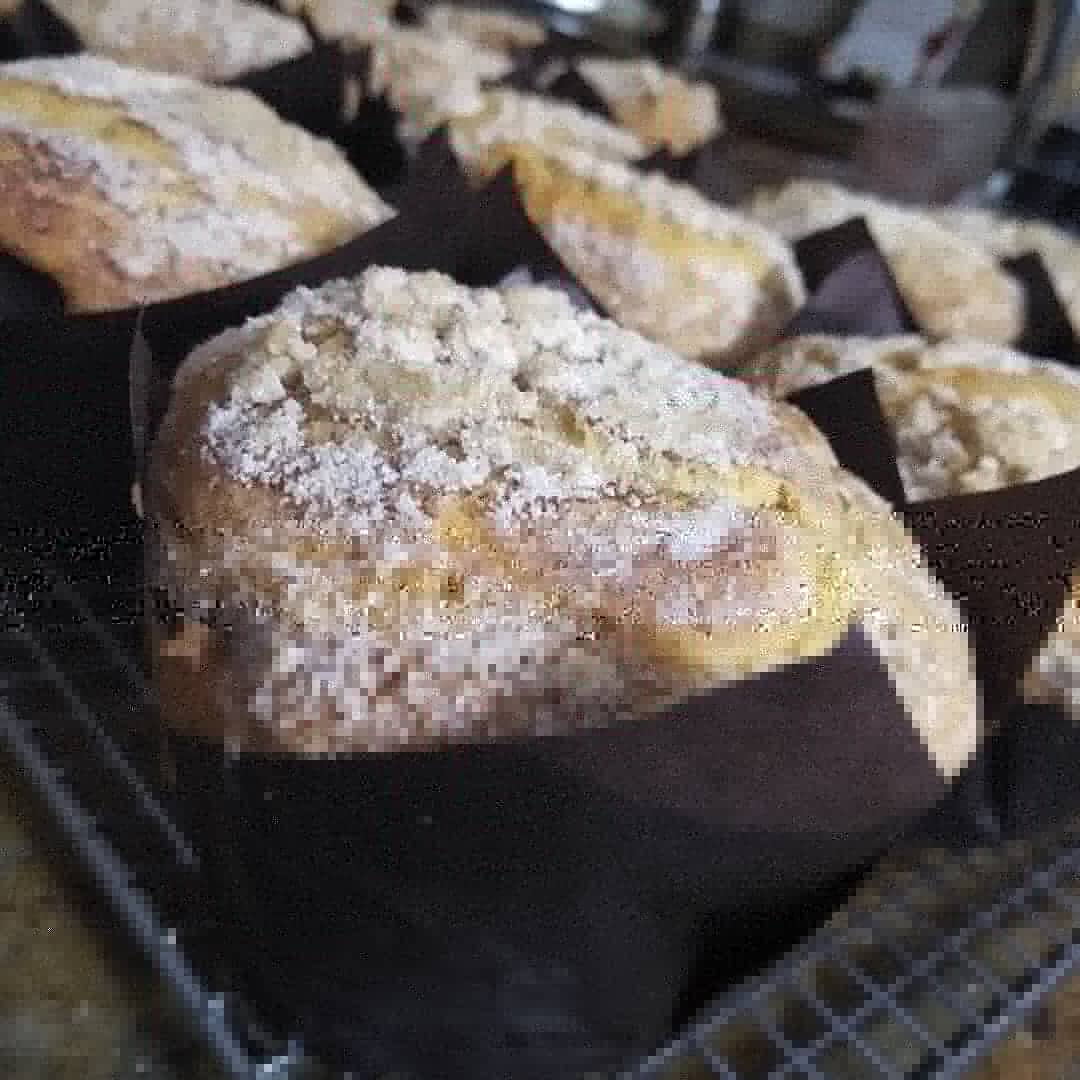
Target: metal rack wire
point(930, 964)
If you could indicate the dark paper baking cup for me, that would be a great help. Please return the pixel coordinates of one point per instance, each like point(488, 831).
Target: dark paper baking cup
point(852, 290)
point(308, 90)
point(1048, 330)
point(10, 48)
point(39, 30)
point(1007, 556)
point(547, 907)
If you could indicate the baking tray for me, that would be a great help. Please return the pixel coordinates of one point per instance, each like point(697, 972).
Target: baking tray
point(919, 975)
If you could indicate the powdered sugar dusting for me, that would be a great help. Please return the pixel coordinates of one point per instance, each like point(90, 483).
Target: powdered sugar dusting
point(428, 387)
point(217, 179)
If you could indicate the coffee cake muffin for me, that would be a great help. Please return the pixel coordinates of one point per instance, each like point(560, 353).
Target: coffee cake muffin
point(127, 186)
point(1009, 237)
point(334, 20)
point(487, 27)
point(662, 108)
point(656, 254)
point(212, 40)
point(428, 77)
point(503, 116)
point(967, 416)
point(953, 286)
point(397, 513)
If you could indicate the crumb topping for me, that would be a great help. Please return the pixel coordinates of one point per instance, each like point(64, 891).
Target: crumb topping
point(203, 173)
point(215, 40)
point(428, 77)
point(422, 387)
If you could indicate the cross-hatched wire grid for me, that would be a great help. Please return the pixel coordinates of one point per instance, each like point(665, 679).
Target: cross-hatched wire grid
point(935, 958)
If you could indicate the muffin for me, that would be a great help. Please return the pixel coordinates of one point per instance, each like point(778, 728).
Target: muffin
point(129, 187)
point(953, 286)
point(1008, 237)
point(427, 77)
point(211, 40)
point(663, 109)
point(334, 20)
point(657, 255)
point(967, 416)
point(397, 513)
point(489, 28)
point(511, 116)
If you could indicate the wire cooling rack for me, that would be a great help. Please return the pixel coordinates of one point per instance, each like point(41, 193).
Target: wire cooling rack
point(929, 965)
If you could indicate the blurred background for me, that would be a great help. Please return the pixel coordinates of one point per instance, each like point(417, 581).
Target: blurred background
point(926, 100)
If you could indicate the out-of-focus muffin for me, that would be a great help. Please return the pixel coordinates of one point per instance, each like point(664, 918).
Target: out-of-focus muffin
point(488, 27)
point(1008, 237)
point(661, 107)
point(212, 40)
point(127, 186)
point(952, 284)
point(705, 281)
point(967, 416)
